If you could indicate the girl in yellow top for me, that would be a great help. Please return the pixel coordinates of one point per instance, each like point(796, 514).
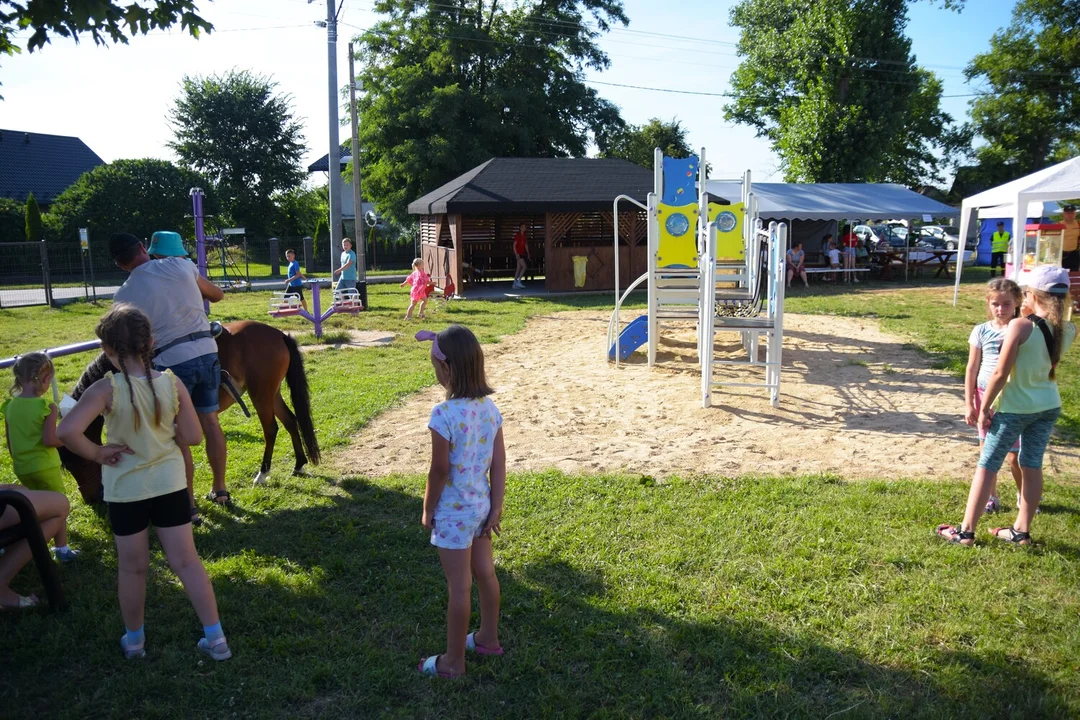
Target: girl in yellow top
point(30, 429)
point(148, 415)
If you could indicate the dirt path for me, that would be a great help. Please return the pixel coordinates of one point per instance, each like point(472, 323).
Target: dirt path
point(854, 401)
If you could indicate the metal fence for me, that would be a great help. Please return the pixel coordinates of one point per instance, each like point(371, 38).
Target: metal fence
point(48, 273)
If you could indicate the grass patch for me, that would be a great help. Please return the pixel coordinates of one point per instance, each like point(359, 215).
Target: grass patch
point(337, 337)
point(622, 596)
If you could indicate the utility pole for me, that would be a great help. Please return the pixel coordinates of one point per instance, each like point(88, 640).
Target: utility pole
point(358, 203)
point(335, 142)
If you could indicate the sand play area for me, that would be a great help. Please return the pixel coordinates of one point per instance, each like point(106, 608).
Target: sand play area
point(854, 401)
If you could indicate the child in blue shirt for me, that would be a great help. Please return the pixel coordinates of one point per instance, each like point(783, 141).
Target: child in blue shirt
point(295, 283)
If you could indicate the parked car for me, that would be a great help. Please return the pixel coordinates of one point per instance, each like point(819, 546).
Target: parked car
point(939, 237)
point(876, 235)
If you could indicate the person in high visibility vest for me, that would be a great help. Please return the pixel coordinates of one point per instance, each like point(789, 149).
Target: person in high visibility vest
point(999, 246)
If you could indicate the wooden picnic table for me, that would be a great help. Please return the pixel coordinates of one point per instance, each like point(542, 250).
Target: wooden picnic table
point(941, 256)
point(885, 257)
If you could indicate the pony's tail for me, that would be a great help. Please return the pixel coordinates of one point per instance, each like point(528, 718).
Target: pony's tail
point(301, 400)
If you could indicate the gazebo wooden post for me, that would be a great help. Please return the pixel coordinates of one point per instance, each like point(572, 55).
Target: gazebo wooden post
point(548, 242)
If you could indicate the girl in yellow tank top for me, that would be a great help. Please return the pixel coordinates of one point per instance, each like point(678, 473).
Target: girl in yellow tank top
point(148, 415)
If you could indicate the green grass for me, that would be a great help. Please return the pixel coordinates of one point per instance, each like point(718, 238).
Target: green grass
point(623, 596)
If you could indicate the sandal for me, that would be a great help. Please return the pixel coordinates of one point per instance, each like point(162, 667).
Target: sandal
point(217, 650)
point(955, 535)
point(132, 652)
point(427, 667)
point(472, 646)
point(1015, 536)
point(24, 603)
point(196, 517)
point(217, 495)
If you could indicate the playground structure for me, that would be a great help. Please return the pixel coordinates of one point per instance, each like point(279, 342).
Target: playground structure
point(710, 261)
point(286, 304)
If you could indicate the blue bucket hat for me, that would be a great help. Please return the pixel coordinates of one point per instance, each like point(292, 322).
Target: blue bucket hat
point(167, 244)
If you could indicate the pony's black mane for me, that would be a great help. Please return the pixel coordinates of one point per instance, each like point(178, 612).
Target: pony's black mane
point(93, 372)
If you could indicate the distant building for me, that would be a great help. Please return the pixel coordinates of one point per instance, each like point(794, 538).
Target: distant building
point(323, 165)
point(45, 165)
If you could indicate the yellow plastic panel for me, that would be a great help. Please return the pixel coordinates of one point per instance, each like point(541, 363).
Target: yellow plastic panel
point(677, 242)
point(729, 236)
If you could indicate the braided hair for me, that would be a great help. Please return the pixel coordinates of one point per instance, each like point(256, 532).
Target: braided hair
point(126, 331)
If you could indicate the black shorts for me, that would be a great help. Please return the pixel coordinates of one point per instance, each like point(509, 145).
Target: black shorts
point(1071, 260)
point(296, 290)
point(171, 510)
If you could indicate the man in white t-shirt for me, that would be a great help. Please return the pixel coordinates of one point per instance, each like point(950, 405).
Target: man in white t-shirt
point(170, 292)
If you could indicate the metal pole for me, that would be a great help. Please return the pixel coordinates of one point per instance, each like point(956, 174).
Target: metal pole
point(46, 275)
point(90, 262)
point(335, 142)
point(358, 202)
point(200, 236)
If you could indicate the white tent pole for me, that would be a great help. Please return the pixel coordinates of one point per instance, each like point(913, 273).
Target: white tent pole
point(967, 211)
point(1019, 233)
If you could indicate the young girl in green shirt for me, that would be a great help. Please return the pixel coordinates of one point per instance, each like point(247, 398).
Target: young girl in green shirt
point(30, 428)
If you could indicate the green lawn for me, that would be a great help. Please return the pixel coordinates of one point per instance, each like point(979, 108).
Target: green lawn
point(623, 596)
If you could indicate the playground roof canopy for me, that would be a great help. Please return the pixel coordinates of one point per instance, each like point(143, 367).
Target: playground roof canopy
point(835, 201)
point(513, 185)
point(45, 165)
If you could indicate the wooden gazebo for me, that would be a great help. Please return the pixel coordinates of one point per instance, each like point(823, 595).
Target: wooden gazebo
point(467, 225)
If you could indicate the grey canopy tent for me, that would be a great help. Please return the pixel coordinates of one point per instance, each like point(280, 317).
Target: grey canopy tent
point(834, 202)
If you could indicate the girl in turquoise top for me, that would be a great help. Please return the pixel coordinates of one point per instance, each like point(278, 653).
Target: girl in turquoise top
point(1025, 407)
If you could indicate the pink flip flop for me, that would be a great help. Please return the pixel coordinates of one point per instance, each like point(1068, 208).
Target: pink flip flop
point(472, 646)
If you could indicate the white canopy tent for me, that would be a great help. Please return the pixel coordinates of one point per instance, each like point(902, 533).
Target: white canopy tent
point(1057, 182)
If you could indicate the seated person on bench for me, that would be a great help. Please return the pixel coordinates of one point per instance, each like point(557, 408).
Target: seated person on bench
point(834, 258)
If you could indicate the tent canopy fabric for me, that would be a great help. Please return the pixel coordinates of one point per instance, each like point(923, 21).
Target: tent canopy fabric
point(1057, 182)
point(835, 201)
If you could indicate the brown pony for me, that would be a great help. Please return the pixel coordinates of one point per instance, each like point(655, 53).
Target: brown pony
point(258, 358)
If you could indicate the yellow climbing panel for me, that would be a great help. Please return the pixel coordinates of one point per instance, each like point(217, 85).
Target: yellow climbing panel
point(676, 245)
point(729, 233)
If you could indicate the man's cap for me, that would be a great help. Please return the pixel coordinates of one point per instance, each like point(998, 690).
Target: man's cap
point(167, 244)
point(120, 242)
point(1001, 224)
point(1069, 208)
point(1048, 278)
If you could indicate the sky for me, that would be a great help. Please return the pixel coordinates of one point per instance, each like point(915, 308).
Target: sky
point(117, 98)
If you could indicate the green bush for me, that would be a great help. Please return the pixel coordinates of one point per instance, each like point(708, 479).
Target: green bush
point(12, 221)
point(33, 219)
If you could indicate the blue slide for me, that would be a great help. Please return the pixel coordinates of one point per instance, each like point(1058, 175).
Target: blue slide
point(631, 338)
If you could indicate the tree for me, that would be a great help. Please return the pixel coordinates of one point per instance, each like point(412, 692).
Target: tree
point(1029, 114)
point(234, 129)
point(12, 221)
point(104, 20)
point(637, 142)
point(449, 86)
point(300, 210)
point(135, 196)
point(834, 86)
point(33, 219)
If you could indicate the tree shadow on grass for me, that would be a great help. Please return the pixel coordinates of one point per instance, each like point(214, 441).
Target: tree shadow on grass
point(330, 606)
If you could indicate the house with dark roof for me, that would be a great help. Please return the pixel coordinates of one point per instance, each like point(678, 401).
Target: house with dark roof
point(323, 165)
point(467, 226)
point(45, 165)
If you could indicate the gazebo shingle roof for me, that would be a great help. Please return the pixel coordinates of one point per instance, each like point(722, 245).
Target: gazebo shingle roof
point(510, 185)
